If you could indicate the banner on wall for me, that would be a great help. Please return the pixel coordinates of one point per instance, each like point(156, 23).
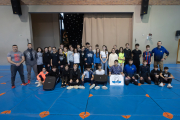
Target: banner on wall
point(116, 80)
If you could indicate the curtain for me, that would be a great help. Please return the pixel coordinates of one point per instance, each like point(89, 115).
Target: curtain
point(107, 29)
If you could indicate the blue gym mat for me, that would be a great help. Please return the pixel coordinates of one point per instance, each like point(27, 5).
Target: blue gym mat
point(143, 102)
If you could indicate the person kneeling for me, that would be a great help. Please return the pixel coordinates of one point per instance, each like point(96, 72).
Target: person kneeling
point(116, 69)
point(55, 72)
point(75, 81)
point(88, 76)
point(155, 75)
point(166, 77)
point(65, 76)
point(41, 77)
point(144, 73)
point(130, 72)
point(100, 71)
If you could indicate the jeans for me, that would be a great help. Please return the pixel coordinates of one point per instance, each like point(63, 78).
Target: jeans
point(14, 70)
point(71, 65)
point(104, 65)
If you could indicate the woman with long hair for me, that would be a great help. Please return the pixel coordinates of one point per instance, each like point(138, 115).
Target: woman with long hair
point(104, 58)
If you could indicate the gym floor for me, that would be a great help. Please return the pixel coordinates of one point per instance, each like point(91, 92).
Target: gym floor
point(143, 102)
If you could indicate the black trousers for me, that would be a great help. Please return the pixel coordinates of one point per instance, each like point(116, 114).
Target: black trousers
point(154, 79)
point(148, 66)
point(137, 64)
point(82, 64)
point(166, 81)
point(96, 66)
point(46, 66)
point(74, 82)
point(39, 68)
point(145, 79)
point(71, 65)
point(131, 80)
point(14, 70)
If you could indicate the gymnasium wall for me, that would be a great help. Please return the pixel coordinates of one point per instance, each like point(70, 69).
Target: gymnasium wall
point(162, 21)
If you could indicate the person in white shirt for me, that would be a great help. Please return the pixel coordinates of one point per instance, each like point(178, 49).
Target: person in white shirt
point(76, 57)
point(112, 57)
point(100, 71)
point(104, 58)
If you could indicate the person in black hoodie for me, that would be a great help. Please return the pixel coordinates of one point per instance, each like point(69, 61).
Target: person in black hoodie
point(54, 58)
point(127, 53)
point(62, 60)
point(55, 72)
point(65, 76)
point(46, 59)
point(155, 75)
point(144, 73)
point(82, 59)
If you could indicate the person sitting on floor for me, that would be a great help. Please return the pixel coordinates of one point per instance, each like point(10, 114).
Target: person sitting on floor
point(130, 72)
point(75, 80)
point(155, 75)
point(166, 77)
point(65, 76)
point(41, 77)
point(116, 69)
point(55, 72)
point(88, 76)
point(100, 71)
point(144, 73)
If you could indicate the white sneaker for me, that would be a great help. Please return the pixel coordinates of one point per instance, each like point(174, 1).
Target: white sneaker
point(104, 87)
point(36, 82)
point(92, 86)
point(69, 87)
point(75, 87)
point(97, 87)
point(81, 87)
point(169, 86)
point(39, 84)
point(161, 85)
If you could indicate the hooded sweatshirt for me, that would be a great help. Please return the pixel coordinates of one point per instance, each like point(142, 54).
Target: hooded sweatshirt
point(130, 70)
point(90, 57)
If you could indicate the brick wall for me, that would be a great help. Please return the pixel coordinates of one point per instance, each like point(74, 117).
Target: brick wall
point(92, 2)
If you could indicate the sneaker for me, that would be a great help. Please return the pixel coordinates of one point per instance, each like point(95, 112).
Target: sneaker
point(92, 86)
point(13, 86)
point(28, 82)
point(81, 87)
point(75, 87)
point(97, 87)
point(69, 87)
point(161, 85)
point(169, 86)
point(39, 84)
point(104, 87)
point(24, 84)
point(36, 82)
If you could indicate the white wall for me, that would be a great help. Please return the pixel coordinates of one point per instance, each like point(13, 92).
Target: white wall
point(161, 21)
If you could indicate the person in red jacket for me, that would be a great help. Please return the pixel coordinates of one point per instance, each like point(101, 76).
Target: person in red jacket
point(41, 77)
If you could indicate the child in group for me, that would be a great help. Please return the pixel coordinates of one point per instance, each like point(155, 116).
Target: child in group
point(116, 69)
point(39, 59)
point(104, 58)
point(62, 60)
point(136, 54)
point(55, 72)
point(46, 58)
point(130, 72)
point(65, 51)
point(155, 75)
point(82, 59)
point(78, 48)
point(97, 59)
point(127, 52)
point(70, 58)
point(76, 57)
point(112, 57)
point(65, 76)
point(75, 80)
point(144, 73)
point(41, 77)
point(166, 77)
point(100, 71)
point(88, 76)
point(147, 55)
point(54, 58)
point(89, 56)
point(121, 57)
point(96, 47)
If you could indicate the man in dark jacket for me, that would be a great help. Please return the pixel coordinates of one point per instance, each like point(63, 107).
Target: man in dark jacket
point(127, 53)
point(82, 59)
point(46, 59)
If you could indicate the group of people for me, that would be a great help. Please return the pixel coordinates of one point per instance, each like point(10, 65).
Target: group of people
point(69, 63)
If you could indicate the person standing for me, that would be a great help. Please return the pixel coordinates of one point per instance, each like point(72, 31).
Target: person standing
point(127, 52)
point(147, 55)
point(136, 54)
point(31, 61)
point(112, 57)
point(82, 59)
point(70, 58)
point(46, 59)
point(39, 59)
point(104, 58)
point(16, 58)
point(78, 48)
point(158, 55)
point(89, 55)
point(62, 60)
point(76, 57)
point(54, 58)
point(97, 59)
point(121, 57)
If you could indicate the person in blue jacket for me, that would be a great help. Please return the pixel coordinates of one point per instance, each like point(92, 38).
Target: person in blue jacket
point(130, 72)
point(89, 56)
point(97, 59)
point(158, 55)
